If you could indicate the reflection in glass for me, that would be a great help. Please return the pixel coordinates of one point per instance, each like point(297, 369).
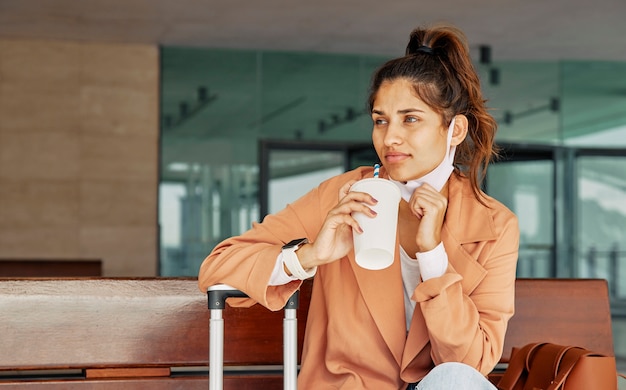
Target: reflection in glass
point(593, 103)
point(523, 101)
point(602, 220)
point(527, 188)
point(293, 173)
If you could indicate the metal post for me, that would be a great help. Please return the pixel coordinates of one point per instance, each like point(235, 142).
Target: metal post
point(216, 354)
point(290, 343)
point(592, 263)
point(613, 271)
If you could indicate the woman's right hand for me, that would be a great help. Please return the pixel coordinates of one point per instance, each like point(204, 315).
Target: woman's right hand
point(334, 240)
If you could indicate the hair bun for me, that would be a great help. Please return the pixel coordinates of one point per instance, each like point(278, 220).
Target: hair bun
point(417, 43)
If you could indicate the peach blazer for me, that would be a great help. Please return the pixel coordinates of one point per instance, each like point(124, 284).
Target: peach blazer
point(356, 335)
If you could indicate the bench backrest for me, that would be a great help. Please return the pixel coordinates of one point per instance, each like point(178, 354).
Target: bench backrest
point(126, 332)
point(562, 311)
point(130, 332)
point(72, 329)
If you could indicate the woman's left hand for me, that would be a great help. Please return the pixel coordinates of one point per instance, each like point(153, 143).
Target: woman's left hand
point(429, 205)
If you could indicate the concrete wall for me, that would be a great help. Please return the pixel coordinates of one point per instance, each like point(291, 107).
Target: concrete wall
point(79, 153)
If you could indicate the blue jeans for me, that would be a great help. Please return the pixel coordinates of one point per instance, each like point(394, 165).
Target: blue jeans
point(452, 375)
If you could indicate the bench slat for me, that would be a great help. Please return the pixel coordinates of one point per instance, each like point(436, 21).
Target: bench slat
point(247, 382)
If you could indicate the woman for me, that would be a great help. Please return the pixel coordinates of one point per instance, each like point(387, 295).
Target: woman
point(438, 314)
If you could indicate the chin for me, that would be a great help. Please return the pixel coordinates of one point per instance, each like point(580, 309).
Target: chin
point(403, 172)
point(398, 177)
point(403, 177)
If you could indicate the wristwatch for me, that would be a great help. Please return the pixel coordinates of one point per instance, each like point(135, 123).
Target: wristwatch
point(296, 244)
point(290, 259)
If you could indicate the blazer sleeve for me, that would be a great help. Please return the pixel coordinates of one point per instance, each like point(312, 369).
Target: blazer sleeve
point(246, 261)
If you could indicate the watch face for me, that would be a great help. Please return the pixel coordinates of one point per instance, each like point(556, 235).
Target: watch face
point(296, 242)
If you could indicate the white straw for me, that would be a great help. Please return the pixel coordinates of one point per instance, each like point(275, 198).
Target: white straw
point(376, 169)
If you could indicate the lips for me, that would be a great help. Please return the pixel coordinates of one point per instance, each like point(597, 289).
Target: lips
point(394, 157)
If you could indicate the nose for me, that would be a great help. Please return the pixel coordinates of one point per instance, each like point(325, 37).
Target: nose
point(393, 135)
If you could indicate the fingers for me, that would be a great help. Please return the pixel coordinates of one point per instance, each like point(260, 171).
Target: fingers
point(337, 220)
point(429, 206)
point(347, 197)
point(350, 202)
point(334, 239)
point(426, 200)
point(343, 191)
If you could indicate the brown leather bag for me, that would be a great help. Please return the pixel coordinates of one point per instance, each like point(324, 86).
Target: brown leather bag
point(547, 366)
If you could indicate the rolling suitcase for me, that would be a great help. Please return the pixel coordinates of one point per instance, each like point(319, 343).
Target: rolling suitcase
point(217, 296)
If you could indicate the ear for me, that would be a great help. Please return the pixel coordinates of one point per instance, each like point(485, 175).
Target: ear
point(460, 130)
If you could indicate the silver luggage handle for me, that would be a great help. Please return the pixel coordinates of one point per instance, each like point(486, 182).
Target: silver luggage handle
point(217, 295)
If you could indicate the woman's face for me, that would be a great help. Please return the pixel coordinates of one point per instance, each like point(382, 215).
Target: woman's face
point(409, 136)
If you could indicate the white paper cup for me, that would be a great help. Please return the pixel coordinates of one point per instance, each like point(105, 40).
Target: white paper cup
point(375, 247)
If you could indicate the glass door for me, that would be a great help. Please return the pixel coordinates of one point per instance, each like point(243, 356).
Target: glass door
point(289, 169)
point(524, 182)
point(601, 220)
point(571, 207)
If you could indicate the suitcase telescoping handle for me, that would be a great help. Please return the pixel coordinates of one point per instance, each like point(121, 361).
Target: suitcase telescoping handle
point(217, 295)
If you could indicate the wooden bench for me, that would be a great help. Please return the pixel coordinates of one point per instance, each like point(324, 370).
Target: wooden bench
point(152, 333)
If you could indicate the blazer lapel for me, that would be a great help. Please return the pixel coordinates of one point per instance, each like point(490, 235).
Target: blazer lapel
point(416, 339)
point(467, 221)
point(383, 294)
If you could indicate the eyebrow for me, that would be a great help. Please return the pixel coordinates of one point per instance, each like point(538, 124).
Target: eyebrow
point(405, 111)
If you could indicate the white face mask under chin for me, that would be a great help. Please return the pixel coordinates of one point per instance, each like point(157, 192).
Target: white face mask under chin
point(438, 176)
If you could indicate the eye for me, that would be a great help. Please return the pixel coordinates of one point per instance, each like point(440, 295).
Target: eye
point(410, 119)
point(380, 121)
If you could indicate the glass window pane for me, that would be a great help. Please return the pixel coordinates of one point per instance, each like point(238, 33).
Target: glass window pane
point(170, 218)
point(593, 104)
point(293, 173)
point(602, 221)
point(527, 188)
point(522, 101)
